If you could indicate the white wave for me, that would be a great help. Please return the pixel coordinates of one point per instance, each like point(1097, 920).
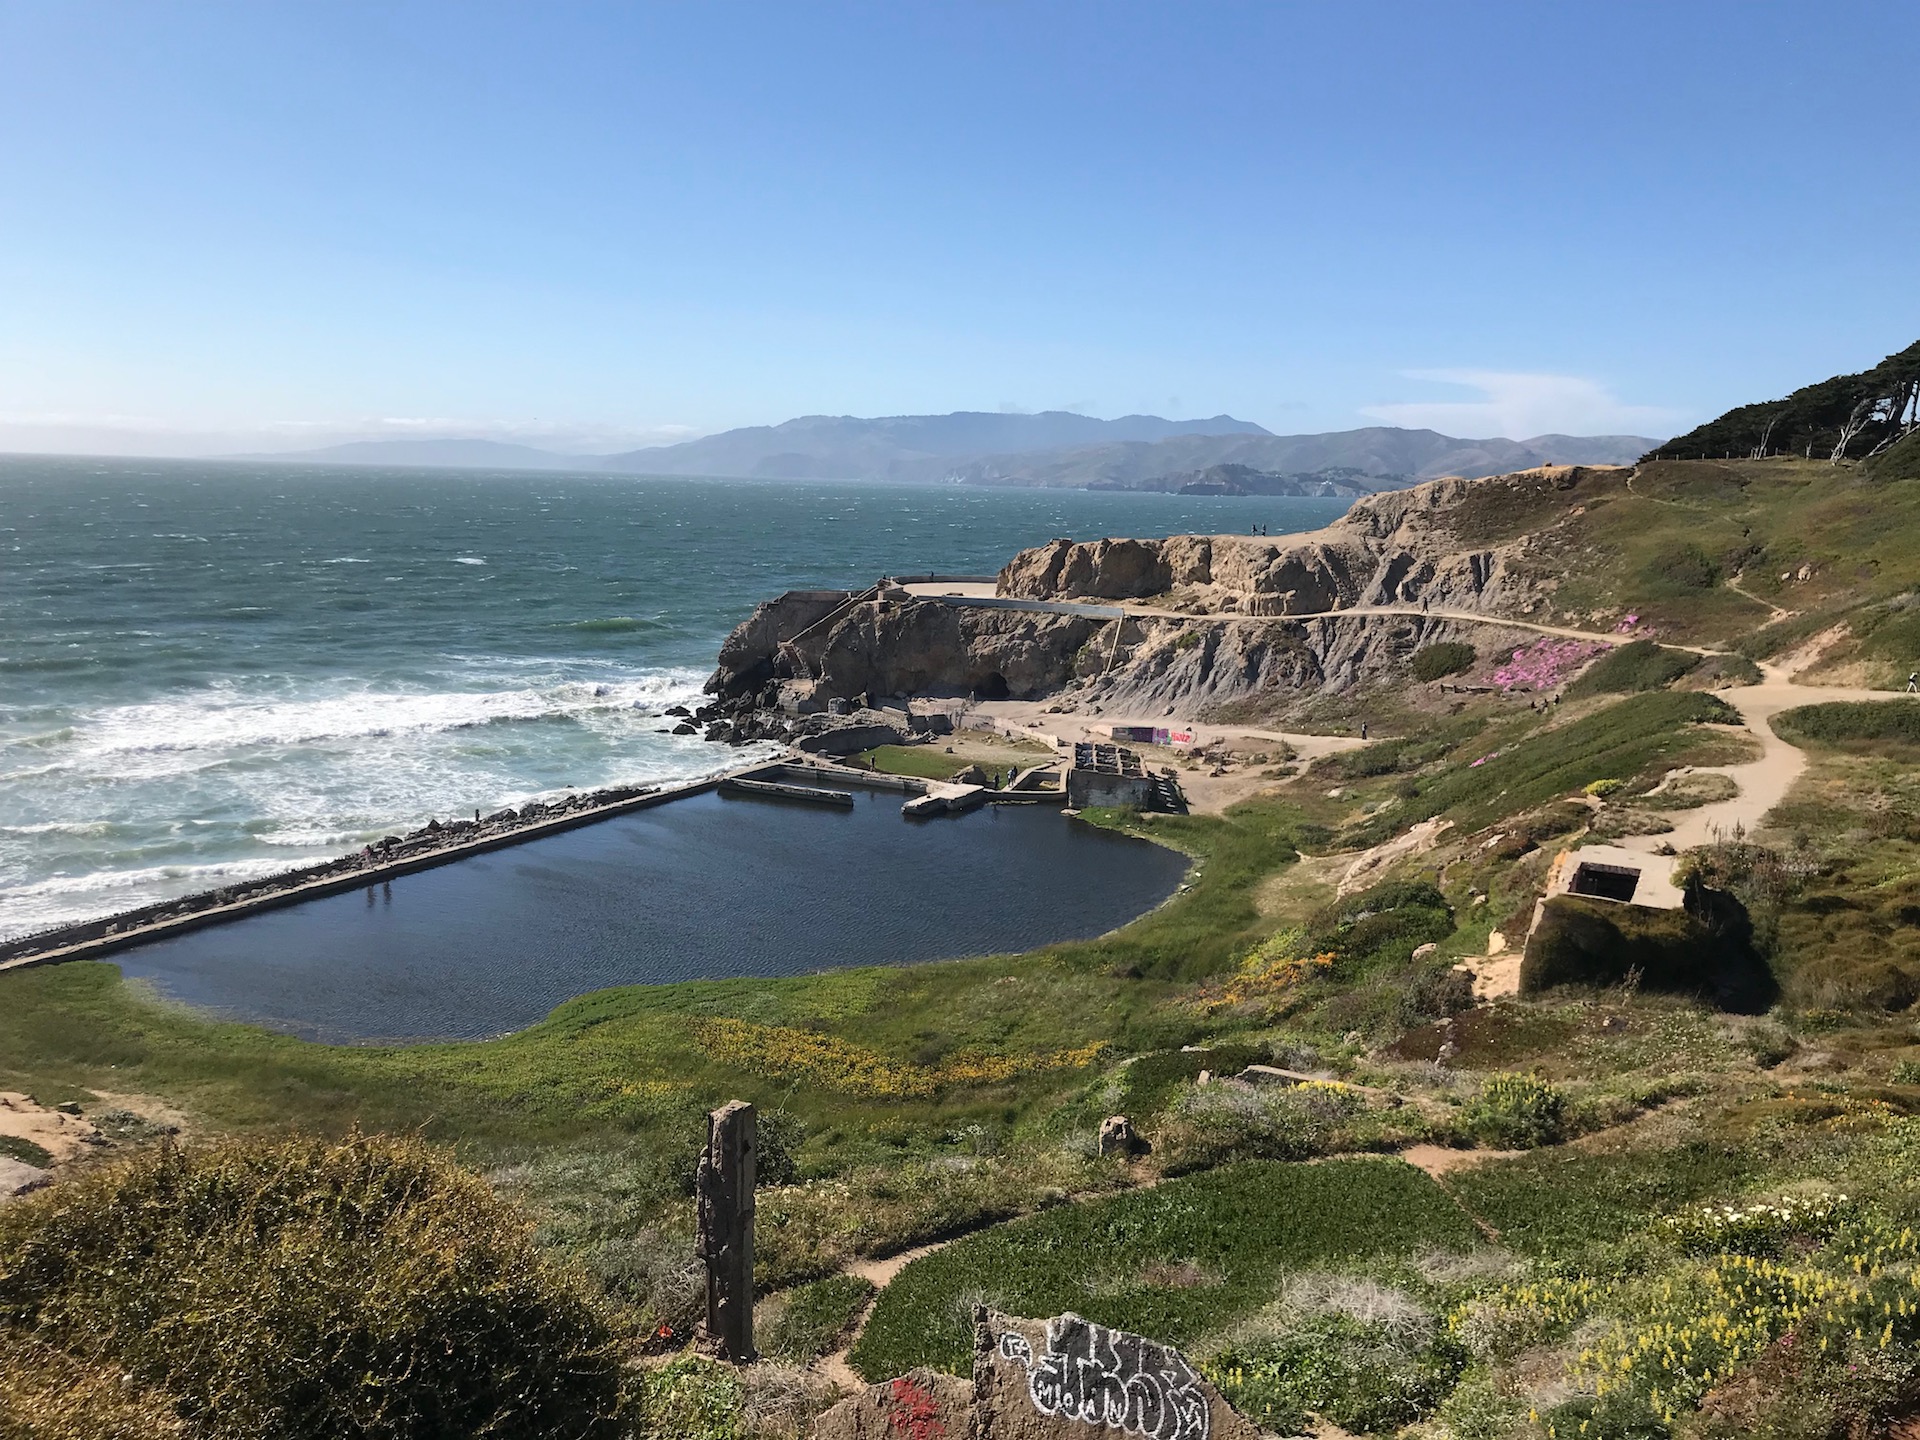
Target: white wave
point(468, 560)
point(66, 899)
point(346, 560)
point(225, 719)
point(88, 828)
point(318, 839)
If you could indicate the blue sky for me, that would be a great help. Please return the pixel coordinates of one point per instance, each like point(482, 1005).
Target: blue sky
point(594, 226)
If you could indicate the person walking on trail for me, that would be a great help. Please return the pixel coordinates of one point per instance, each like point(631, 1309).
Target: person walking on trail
point(1913, 682)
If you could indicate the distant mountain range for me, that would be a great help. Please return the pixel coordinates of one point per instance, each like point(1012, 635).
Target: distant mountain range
point(1055, 449)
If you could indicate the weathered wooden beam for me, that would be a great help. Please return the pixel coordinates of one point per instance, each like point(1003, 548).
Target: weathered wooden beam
point(724, 1184)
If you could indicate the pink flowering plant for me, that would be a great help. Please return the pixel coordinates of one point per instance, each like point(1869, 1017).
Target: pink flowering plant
point(1545, 664)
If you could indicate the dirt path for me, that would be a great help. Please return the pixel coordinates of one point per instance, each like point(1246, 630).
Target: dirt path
point(1774, 612)
point(1763, 783)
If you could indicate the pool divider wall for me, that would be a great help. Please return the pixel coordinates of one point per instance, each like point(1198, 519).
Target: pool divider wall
point(164, 919)
point(88, 939)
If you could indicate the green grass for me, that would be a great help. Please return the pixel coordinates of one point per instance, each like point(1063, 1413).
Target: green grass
point(1434, 662)
point(1241, 1229)
point(1519, 766)
point(925, 762)
point(1558, 1201)
point(804, 1323)
point(1874, 726)
point(14, 1147)
point(1641, 665)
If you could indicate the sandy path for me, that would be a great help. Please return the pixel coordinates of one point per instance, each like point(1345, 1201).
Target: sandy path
point(61, 1135)
point(1764, 782)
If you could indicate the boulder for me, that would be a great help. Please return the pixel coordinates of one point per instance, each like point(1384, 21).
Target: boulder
point(1118, 1137)
point(19, 1178)
point(920, 1405)
point(1070, 1379)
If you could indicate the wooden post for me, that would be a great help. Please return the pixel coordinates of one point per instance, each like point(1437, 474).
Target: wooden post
point(725, 1241)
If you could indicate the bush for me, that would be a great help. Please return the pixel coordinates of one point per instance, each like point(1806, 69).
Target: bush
point(1757, 1229)
point(1362, 1377)
point(1619, 1415)
point(1213, 1124)
point(1447, 658)
point(46, 1394)
point(1889, 725)
point(690, 1398)
point(308, 1288)
point(1682, 568)
point(1516, 1112)
point(1632, 668)
point(802, 1325)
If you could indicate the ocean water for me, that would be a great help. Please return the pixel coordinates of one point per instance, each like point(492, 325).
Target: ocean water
point(215, 670)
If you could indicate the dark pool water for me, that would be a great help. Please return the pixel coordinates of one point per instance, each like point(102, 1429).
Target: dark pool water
point(704, 887)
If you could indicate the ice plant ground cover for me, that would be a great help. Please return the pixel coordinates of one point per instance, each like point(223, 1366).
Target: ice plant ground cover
point(1546, 664)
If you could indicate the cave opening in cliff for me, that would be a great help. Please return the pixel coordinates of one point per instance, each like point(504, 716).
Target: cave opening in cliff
point(993, 687)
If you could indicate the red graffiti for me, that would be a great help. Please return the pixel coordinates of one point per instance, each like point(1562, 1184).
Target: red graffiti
point(912, 1411)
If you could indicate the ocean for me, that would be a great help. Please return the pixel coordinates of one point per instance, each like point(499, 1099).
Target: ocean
point(210, 671)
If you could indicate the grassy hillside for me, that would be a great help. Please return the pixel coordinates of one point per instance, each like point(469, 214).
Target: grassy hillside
point(1681, 1165)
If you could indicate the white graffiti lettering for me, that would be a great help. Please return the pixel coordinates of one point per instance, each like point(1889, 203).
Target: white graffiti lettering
point(1108, 1377)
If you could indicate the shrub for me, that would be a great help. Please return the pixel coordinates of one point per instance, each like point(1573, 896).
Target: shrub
point(1482, 1408)
point(1447, 658)
point(1213, 1124)
point(46, 1394)
point(1889, 725)
point(690, 1398)
point(1629, 669)
point(1600, 789)
point(802, 1325)
point(1617, 1416)
point(308, 1288)
point(1757, 1229)
point(1363, 1377)
point(1906, 1072)
point(780, 1134)
point(1516, 1112)
point(1682, 568)
point(655, 1271)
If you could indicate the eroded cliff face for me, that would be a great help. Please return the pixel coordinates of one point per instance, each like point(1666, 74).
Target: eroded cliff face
point(1444, 545)
point(1400, 547)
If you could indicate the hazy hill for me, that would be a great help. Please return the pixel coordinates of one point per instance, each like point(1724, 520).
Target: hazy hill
point(1054, 449)
point(456, 454)
point(900, 447)
point(1388, 454)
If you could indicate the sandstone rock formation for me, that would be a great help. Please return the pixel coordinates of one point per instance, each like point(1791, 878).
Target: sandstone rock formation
point(1451, 545)
point(1404, 546)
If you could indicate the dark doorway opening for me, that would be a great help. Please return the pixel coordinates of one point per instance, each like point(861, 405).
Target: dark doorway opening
point(1608, 882)
point(994, 687)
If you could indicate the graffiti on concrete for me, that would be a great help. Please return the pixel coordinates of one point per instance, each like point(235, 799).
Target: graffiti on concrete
point(913, 1410)
point(1107, 1377)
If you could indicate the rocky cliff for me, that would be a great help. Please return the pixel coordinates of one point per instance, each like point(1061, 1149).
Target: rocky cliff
point(1428, 544)
point(1237, 621)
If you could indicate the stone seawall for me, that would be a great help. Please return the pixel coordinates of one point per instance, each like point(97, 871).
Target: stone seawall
point(437, 844)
